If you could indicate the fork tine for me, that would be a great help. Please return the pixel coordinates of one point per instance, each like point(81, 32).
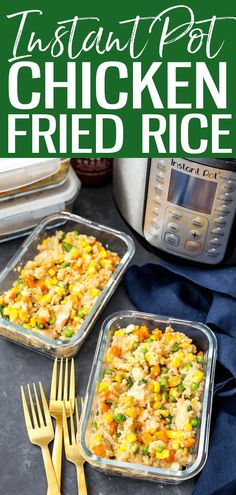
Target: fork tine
point(77, 416)
point(28, 421)
point(65, 393)
point(54, 382)
point(65, 426)
point(72, 381)
point(45, 405)
point(72, 427)
point(35, 420)
point(41, 421)
point(59, 393)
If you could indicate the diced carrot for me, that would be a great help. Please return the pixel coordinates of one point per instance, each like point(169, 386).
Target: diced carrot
point(161, 435)
point(105, 395)
point(116, 351)
point(171, 457)
point(143, 333)
point(155, 371)
point(99, 450)
point(146, 438)
point(190, 442)
point(30, 282)
point(104, 408)
point(157, 333)
point(112, 428)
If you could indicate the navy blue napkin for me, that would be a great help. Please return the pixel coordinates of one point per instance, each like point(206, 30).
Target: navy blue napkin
point(209, 296)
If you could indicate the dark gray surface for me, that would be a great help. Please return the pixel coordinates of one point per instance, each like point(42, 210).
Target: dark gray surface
point(21, 468)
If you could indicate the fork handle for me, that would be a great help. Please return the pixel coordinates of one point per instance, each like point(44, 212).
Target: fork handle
point(57, 453)
point(82, 489)
point(53, 486)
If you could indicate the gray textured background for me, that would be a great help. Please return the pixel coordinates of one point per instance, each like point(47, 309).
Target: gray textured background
point(21, 468)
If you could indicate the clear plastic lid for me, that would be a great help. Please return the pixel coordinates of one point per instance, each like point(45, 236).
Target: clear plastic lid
point(20, 172)
point(23, 212)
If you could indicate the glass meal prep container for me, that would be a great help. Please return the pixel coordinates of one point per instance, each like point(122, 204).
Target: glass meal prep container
point(205, 341)
point(112, 239)
point(20, 215)
point(23, 176)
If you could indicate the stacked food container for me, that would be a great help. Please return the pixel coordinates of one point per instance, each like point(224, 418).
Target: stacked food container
point(31, 189)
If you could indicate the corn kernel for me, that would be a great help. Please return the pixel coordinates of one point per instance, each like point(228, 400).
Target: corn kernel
point(76, 318)
point(88, 249)
point(198, 377)
point(123, 447)
point(176, 362)
point(27, 326)
point(103, 386)
point(150, 387)
point(131, 438)
point(59, 291)
point(46, 299)
point(92, 268)
point(118, 378)
point(174, 434)
point(157, 396)
point(74, 254)
point(33, 322)
point(52, 272)
point(131, 412)
point(165, 413)
point(163, 455)
point(191, 356)
point(94, 292)
point(102, 253)
point(174, 393)
point(108, 418)
point(119, 333)
point(174, 381)
point(129, 401)
point(1, 300)
point(185, 451)
point(109, 359)
point(153, 431)
point(13, 314)
point(98, 438)
point(23, 272)
point(105, 263)
point(6, 310)
point(23, 315)
point(157, 387)
point(86, 256)
point(148, 358)
point(86, 310)
point(157, 405)
point(188, 427)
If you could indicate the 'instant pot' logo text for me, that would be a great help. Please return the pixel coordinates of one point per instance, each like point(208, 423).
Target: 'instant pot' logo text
point(200, 171)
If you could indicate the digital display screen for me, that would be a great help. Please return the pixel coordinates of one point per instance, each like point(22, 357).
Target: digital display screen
point(191, 192)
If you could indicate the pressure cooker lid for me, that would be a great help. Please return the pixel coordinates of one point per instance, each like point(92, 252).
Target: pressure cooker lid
point(222, 163)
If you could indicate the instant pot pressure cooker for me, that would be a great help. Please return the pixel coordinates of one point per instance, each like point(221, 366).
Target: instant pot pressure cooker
point(185, 207)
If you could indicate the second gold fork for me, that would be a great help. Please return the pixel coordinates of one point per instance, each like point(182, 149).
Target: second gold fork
point(61, 393)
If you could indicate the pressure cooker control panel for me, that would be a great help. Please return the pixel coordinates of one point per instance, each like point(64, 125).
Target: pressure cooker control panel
point(190, 209)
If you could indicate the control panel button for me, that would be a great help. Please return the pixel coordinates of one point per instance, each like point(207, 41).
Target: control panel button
point(218, 231)
point(193, 246)
point(159, 188)
point(157, 199)
point(153, 232)
point(199, 222)
point(161, 165)
point(160, 177)
point(176, 215)
point(223, 209)
point(215, 241)
point(172, 239)
point(173, 227)
point(196, 234)
point(156, 211)
point(225, 197)
point(220, 221)
point(228, 186)
point(213, 252)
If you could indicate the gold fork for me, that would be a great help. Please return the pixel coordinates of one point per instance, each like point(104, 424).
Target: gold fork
point(41, 432)
point(56, 408)
point(72, 449)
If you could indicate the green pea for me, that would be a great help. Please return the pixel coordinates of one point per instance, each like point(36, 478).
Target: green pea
point(181, 387)
point(109, 371)
point(146, 450)
point(81, 313)
point(129, 381)
point(142, 382)
point(164, 370)
point(68, 332)
point(52, 319)
point(175, 347)
point(189, 408)
point(163, 383)
point(76, 234)
point(118, 433)
point(194, 386)
point(119, 418)
point(145, 350)
point(134, 448)
point(40, 326)
point(160, 448)
point(200, 359)
point(187, 366)
point(64, 265)
point(67, 246)
point(195, 422)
